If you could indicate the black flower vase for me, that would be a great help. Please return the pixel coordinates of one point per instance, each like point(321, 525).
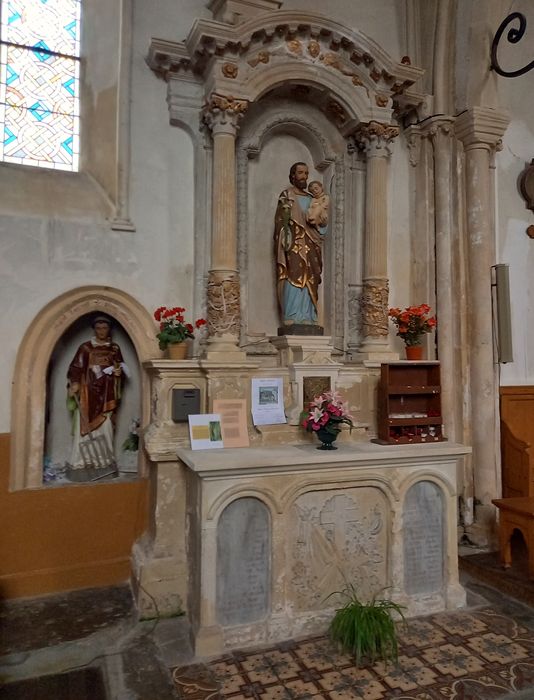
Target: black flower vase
point(327, 439)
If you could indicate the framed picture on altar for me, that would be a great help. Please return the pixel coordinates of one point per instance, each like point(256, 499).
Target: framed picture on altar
point(205, 431)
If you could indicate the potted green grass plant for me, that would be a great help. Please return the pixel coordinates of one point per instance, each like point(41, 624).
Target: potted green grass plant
point(367, 630)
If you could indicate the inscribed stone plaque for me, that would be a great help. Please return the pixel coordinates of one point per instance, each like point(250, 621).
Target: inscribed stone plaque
point(243, 562)
point(423, 529)
point(334, 538)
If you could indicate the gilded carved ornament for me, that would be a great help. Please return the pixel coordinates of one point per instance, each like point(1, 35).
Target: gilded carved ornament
point(375, 135)
point(314, 48)
point(222, 103)
point(221, 109)
point(331, 59)
point(381, 100)
point(230, 70)
point(261, 57)
point(374, 309)
point(294, 46)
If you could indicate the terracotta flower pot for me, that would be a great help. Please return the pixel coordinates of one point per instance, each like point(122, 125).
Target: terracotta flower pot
point(177, 351)
point(414, 352)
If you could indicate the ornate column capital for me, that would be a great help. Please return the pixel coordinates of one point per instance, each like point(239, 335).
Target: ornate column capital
point(222, 113)
point(437, 127)
point(482, 127)
point(376, 139)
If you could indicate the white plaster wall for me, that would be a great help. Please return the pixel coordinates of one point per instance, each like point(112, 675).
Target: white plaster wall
point(513, 245)
point(381, 20)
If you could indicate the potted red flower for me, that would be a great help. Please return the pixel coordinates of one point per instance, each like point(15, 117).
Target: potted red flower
point(174, 331)
point(412, 323)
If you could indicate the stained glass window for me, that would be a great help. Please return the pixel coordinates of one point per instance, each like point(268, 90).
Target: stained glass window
point(39, 82)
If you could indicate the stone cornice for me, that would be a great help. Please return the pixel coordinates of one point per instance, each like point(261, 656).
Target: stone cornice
point(208, 39)
point(481, 127)
point(166, 57)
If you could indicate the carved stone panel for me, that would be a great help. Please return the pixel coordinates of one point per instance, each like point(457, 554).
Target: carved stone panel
point(336, 537)
point(423, 528)
point(314, 386)
point(243, 562)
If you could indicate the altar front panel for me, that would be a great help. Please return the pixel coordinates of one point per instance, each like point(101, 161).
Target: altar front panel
point(317, 522)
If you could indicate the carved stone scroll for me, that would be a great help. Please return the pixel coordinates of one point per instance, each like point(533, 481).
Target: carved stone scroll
point(223, 305)
point(374, 309)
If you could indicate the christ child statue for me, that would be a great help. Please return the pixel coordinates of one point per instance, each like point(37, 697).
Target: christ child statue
point(318, 210)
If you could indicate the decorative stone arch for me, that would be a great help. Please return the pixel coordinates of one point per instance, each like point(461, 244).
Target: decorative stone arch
point(353, 100)
point(36, 348)
point(248, 46)
point(265, 495)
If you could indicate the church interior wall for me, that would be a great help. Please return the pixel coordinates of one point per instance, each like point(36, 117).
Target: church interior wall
point(55, 236)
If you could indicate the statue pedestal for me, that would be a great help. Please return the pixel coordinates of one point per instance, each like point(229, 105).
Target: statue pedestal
point(301, 329)
point(312, 369)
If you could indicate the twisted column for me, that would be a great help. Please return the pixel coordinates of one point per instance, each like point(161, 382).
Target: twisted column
point(376, 140)
point(222, 115)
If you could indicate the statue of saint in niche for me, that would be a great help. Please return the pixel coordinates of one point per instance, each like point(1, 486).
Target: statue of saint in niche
point(301, 221)
point(95, 378)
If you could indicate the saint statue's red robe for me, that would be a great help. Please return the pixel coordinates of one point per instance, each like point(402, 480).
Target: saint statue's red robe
point(100, 391)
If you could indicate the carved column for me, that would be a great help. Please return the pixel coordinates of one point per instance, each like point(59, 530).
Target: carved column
point(222, 115)
point(481, 129)
point(441, 131)
point(376, 140)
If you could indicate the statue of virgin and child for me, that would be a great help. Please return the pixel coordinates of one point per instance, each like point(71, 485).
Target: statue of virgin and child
point(301, 223)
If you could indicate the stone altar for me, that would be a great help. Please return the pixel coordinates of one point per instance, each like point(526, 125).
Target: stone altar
point(327, 518)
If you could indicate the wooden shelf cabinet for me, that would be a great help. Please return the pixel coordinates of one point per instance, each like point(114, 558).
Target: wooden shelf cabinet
point(409, 403)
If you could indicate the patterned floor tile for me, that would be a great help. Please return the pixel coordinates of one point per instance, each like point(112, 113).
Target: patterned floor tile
point(460, 623)
point(497, 648)
point(453, 660)
point(420, 634)
point(409, 674)
point(481, 655)
point(353, 683)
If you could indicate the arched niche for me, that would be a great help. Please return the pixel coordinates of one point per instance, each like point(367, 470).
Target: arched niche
point(33, 359)
point(275, 134)
point(58, 424)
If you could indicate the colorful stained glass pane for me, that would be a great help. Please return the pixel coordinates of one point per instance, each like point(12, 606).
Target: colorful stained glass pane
point(40, 138)
point(49, 84)
point(39, 89)
point(49, 25)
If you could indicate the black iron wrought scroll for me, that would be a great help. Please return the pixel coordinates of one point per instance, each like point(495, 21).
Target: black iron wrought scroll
point(515, 34)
